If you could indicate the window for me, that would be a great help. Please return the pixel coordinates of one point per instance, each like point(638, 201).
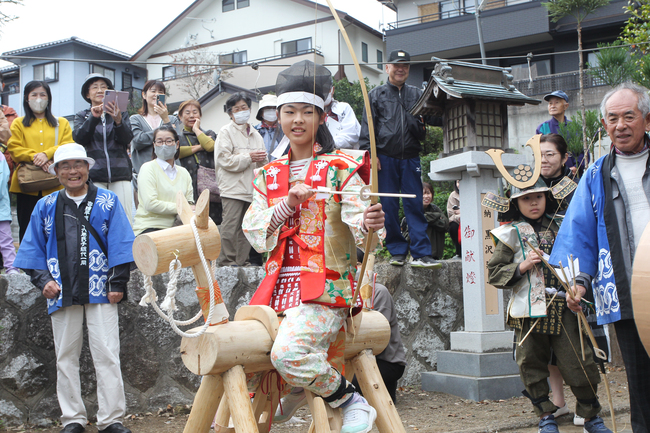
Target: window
point(238, 58)
point(457, 127)
point(300, 46)
point(173, 72)
point(537, 69)
point(229, 5)
point(108, 73)
point(488, 125)
point(380, 59)
point(364, 52)
point(454, 8)
point(47, 72)
point(127, 81)
point(429, 12)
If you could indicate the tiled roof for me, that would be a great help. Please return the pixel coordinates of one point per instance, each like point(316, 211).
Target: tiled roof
point(65, 41)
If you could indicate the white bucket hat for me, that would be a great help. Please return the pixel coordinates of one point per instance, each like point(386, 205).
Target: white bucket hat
point(70, 151)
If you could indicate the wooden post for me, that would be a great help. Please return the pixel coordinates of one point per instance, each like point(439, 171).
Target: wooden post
point(374, 390)
point(205, 405)
point(318, 413)
point(222, 419)
point(234, 382)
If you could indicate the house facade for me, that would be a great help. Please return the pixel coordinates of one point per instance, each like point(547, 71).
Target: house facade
point(250, 41)
point(517, 34)
point(68, 63)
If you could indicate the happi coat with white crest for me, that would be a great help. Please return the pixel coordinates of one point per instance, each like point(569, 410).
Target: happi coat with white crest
point(47, 240)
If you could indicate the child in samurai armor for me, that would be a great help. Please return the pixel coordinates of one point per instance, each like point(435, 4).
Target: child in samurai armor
point(516, 266)
point(312, 242)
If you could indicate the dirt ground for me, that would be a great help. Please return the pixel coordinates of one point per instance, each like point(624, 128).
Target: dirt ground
point(425, 412)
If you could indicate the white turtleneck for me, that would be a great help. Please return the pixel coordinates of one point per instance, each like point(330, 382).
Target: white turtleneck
point(631, 169)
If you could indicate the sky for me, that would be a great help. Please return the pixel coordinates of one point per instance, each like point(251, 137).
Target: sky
point(136, 21)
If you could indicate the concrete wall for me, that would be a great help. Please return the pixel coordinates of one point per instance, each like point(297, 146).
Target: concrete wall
point(429, 305)
point(522, 121)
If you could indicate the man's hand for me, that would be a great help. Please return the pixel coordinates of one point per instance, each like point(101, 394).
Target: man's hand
point(578, 293)
point(299, 194)
point(373, 217)
point(51, 290)
point(115, 297)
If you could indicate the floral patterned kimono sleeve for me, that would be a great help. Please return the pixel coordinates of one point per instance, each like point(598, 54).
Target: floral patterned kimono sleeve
point(352, 208)
point(258, 218)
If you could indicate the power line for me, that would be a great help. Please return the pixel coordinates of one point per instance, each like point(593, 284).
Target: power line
point(255, 65)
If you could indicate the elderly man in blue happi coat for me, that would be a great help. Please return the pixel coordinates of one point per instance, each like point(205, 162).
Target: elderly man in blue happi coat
point(77, 251)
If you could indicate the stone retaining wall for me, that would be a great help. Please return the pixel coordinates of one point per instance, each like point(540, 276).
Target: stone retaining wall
point(429, 304)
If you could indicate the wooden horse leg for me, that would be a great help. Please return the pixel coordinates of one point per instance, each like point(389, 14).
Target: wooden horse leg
point(374, 390)
point(234, 383)
point(320, 423)
point(222, 419)
point(205, 405)
point(264, 406)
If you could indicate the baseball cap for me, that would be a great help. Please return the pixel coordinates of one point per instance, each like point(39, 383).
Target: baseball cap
point(399, 56)
point(558, 94)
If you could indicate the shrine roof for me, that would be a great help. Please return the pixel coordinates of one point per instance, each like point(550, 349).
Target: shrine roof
point(462, 80)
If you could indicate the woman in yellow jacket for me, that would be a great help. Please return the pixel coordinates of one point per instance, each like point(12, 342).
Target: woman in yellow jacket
point(34, 139)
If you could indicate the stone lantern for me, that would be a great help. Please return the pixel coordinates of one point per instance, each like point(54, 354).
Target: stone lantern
point(473, 100)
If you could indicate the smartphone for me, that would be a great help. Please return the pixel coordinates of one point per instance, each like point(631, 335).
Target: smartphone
point(161, 98)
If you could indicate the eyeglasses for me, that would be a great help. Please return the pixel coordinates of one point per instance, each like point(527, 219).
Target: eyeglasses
point(167, 142)
point(549, 155)
point(98, 87)
point(65, 167)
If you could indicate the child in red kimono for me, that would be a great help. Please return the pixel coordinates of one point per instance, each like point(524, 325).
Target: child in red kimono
point(312, 242)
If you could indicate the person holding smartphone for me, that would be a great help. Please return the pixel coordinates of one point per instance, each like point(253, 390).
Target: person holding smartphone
point(152, 115)
point(105, 132)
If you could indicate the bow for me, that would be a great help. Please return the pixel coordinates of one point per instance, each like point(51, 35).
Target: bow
point(371, 238)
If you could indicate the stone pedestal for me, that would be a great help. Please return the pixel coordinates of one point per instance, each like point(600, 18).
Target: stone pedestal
point(480, 364)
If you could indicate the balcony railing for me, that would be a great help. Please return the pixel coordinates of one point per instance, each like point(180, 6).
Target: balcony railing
point(464, 8)
point(549, 83)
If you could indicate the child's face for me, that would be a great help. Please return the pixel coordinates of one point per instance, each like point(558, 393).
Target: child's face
point(532, 205)
point(427, 197)
point(300, 122)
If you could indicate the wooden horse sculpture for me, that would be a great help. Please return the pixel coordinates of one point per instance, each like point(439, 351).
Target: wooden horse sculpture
point(224, 353)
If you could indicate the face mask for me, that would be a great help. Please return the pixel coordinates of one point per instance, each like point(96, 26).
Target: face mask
point(242, 117)
point(269, 115)
point(38, 105)
point(165, 152)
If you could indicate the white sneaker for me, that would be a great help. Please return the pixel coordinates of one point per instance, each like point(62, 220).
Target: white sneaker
point(561, 411)
point(578, 420)
point(358, 418)
point(290, 404)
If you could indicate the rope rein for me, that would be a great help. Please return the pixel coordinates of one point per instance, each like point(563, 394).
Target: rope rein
point(169, 303)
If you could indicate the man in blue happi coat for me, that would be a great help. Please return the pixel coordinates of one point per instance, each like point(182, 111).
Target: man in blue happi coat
point(603, 226)
point(77, 251)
